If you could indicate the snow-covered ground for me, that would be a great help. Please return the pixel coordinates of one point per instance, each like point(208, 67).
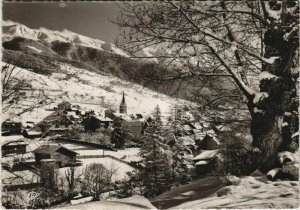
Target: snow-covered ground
point(250, 193)
point(120, 169)
point(88, 89)
point(133, 203)
point(128, 155)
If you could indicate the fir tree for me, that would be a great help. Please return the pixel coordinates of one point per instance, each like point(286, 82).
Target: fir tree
point(181, 162)
point(118, 136)
point(157, 171)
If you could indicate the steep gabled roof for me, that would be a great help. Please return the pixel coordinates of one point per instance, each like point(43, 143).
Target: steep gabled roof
point(50, 149)
point(206, 155)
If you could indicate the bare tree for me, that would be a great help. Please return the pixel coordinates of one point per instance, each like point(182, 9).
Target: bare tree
point(96, 179)
point(13, 82)
point(219, 44)
point(73, 177)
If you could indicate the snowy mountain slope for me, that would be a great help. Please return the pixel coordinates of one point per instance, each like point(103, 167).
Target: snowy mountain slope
point(12, 29)
point(88, 89)
point(44, 51)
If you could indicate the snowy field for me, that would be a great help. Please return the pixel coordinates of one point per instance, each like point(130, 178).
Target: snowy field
point(128, 155)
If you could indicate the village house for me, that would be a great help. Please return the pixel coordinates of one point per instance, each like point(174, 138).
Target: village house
point(92, 123)
point(64, 106)
point(11, 127)
point(204, 162)
point(61, 156)
point(55, 120)
point(209, 142)
point(14, 147)
point(32, 133)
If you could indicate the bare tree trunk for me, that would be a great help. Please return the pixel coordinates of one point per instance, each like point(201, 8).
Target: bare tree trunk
point(267, 124)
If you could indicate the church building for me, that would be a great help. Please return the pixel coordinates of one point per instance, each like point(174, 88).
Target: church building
point(123, 106)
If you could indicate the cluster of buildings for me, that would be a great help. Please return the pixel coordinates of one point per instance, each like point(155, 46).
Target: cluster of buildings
point(200, 137)
point(58, 124)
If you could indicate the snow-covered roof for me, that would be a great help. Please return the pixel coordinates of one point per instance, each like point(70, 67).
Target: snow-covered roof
point(223, 128)
point(203, 162)
point(8, 139)
point(69, 113)
point(197, 125)
point(32, 132)
point(186, 140)
point(105, 119)
point(200, 136)
point(187, 127)
point(214, 138)
point(206, 155)
point(211, 131)
point(13, 142)
point(206, 124)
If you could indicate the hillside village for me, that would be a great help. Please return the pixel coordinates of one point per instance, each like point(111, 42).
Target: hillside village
point(71, 136)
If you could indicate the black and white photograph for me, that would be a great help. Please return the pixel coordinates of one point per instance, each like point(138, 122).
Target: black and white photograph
point(132, 105)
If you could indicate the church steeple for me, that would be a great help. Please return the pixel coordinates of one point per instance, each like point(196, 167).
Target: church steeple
point(123, 106)
point(123, 99)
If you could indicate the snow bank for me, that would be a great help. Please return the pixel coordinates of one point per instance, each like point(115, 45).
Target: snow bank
point(133, 203)
point(250, 193)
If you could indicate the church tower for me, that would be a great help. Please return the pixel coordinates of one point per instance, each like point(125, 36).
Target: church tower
point(123, 106)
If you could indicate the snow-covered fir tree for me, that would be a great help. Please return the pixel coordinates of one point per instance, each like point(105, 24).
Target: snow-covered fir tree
point(156, 154)
point(181, 163)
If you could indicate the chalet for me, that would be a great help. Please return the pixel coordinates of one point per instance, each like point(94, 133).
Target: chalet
point(92, 123)
point(205, 161)
point(55, 120)
point(209, 142)
point(65, 106)
point(57, 153)
point(14, 147)
point(32, 133)
point(12, 127)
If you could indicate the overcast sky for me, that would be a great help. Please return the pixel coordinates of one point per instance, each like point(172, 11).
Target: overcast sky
point(91, 19)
